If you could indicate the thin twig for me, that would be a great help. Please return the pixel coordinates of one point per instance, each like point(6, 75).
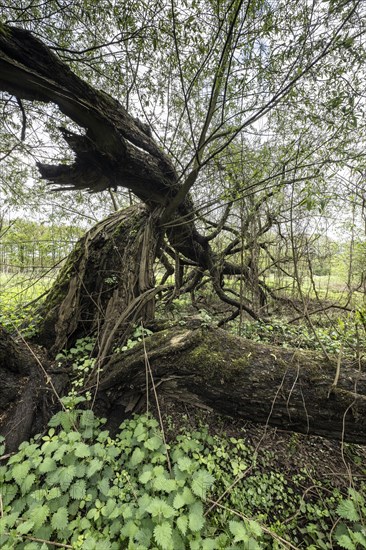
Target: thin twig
point(58, 544)
point(148, 367)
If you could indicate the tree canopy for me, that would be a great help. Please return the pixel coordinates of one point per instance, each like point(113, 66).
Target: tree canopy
point(212, 81)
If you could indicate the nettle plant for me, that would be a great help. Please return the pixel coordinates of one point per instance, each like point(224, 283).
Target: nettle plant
point(82, 489)
point(351, 530)
point(349, 336)
point(81, 360)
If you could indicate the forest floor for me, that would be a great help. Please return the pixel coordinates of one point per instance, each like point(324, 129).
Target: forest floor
point(291, 453)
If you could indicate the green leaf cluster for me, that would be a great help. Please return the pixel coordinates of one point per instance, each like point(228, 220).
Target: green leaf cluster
point(79, 486)
point(351, 531)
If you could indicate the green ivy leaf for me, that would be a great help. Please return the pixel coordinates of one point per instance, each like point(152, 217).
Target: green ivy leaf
point(163, 535)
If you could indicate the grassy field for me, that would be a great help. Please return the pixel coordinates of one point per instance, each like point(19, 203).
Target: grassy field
point(19, 289)
point(17, 294)
point(332, 288)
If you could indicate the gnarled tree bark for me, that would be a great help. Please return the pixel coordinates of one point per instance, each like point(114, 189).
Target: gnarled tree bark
point(286, 388)
point(114, 148)
point(110, 268)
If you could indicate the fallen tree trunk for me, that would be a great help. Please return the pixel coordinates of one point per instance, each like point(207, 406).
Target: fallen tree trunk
point(207, 367)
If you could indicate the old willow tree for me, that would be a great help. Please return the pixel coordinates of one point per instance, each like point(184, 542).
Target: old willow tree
point(217, 74)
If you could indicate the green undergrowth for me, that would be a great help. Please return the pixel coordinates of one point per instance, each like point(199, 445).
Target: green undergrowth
point(18, 296)
point(345, 336)
point(81, 488)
